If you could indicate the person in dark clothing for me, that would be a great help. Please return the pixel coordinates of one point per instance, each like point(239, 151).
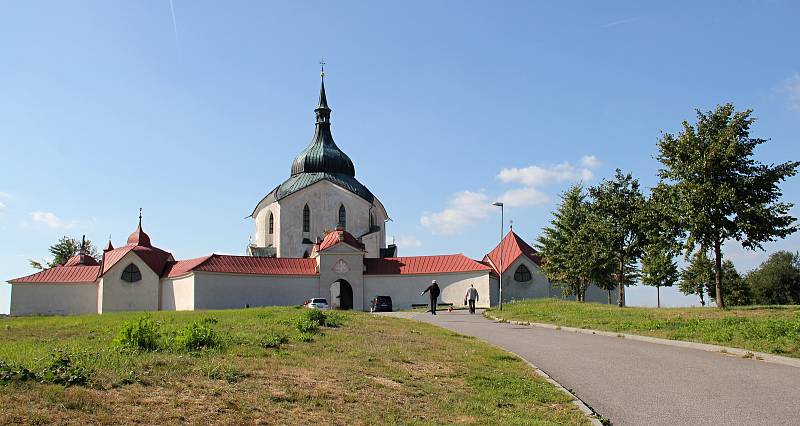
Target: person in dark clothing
point(433, 290)
point(471, 297)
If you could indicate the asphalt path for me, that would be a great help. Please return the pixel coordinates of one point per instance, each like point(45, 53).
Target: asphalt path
point(640, 383)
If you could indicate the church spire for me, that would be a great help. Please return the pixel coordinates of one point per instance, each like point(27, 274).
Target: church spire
point(322, 110)
point(322, 155)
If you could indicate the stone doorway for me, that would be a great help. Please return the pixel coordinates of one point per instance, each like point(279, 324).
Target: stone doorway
point(341, 295)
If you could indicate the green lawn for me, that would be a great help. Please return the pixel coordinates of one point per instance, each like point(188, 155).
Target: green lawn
point(773, 329)
point(369, 370)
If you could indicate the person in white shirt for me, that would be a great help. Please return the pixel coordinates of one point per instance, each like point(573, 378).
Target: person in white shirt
point(471, 297)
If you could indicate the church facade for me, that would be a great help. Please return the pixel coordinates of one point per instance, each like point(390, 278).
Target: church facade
point(320, 233)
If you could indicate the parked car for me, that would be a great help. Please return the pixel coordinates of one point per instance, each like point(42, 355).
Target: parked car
point(317, 303)
point(381, 304)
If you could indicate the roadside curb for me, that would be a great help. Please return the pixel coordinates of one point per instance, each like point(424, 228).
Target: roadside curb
point(725, 350)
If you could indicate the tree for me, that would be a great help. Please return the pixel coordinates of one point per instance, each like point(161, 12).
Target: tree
point(722, 192)
point(61, 251)
point(571, 257)
point(736, 290)
point(663, 231)
point(618, 206)
point(698, 277)
point(658, 269)
point(777, 280)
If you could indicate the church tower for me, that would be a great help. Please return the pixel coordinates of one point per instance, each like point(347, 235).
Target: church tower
point(321, 194)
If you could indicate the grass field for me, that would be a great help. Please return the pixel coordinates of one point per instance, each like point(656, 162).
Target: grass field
point(773, 329)
point(369, 370)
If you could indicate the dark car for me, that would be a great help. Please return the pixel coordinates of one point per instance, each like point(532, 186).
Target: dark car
point(381, 304)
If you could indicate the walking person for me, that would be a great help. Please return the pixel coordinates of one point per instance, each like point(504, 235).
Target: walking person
point(471, 297)
point(433, 290)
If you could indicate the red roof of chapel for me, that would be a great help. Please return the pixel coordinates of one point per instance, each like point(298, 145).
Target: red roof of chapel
point(512, 248)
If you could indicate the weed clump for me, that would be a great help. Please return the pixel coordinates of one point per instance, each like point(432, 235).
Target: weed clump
point(198, 336)
point(305, 337)
point(64, 369)
point(10, 373)
point(143, 334)
point(306, 326)
point(274, 340)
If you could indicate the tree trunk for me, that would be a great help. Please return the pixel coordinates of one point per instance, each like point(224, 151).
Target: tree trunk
point(609, 296)
point(658, 292)
point(621, 284)
point(718, 273)
point(702, 301)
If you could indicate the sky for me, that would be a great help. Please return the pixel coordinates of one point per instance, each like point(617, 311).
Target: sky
point(194, 110)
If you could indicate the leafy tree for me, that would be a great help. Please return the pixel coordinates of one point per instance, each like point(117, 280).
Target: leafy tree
point(736, 290)
point(698, 277)
point(61, 251)
point(571, 257)
point(618, 206)
point(777, 280)
point(658, 269)
point(722, 192)
point(663, 231)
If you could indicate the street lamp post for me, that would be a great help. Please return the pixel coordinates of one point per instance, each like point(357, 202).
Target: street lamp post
point(502, 228)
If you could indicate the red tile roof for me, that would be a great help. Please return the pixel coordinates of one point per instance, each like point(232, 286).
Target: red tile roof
point(244, 265)
point(340, 236)
point(81, 259)
point(155, 258)
point(512, 247)
point(423, 265)
point(62, 274)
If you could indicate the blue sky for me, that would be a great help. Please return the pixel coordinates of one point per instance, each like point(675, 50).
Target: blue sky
point(444, 107)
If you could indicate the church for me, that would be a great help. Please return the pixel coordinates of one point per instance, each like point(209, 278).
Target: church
point(320, 233)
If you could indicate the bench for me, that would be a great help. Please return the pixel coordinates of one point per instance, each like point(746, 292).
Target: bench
point(425, 305)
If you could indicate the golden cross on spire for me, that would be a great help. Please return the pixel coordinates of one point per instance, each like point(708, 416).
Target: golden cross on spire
point(322, 67)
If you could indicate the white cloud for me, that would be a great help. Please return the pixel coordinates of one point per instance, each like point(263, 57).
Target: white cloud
point(520, 197)
point(791, 88)
point(408, 241)
point(2, 207)
point(590, 161)
point(465, 208)
point(544, 175)
point(50, 220)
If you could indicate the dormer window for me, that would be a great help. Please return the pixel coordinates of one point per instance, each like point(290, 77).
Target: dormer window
point(522, 274)
point(131, 274)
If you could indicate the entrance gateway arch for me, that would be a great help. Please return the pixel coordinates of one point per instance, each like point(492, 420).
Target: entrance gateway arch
point(341, 295)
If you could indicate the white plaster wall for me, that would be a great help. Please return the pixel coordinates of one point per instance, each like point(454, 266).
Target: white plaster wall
point(118, 295)
point(354, 274)
point(404, 289)
point(53, 299)
point(538, 287)
point(323, 199)
point(177, 294)
point(234, 291)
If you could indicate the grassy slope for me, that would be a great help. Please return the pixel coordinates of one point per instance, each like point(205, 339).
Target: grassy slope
point(372, 370)
point(765, 329)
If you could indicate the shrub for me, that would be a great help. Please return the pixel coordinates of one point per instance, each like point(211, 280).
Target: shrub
point(305, 325)
point(197, 336)
point(315, 316)
point(274, 340)
point(63, 369)
point(143, 334)
point(333, 320)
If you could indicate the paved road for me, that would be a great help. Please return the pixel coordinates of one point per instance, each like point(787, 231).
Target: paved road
point(641, 383)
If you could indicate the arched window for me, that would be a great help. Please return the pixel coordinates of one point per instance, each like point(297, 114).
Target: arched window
point(522, 274)
point(342, 217)
point(271, 224)
point(131, 274)
point(306, 219)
